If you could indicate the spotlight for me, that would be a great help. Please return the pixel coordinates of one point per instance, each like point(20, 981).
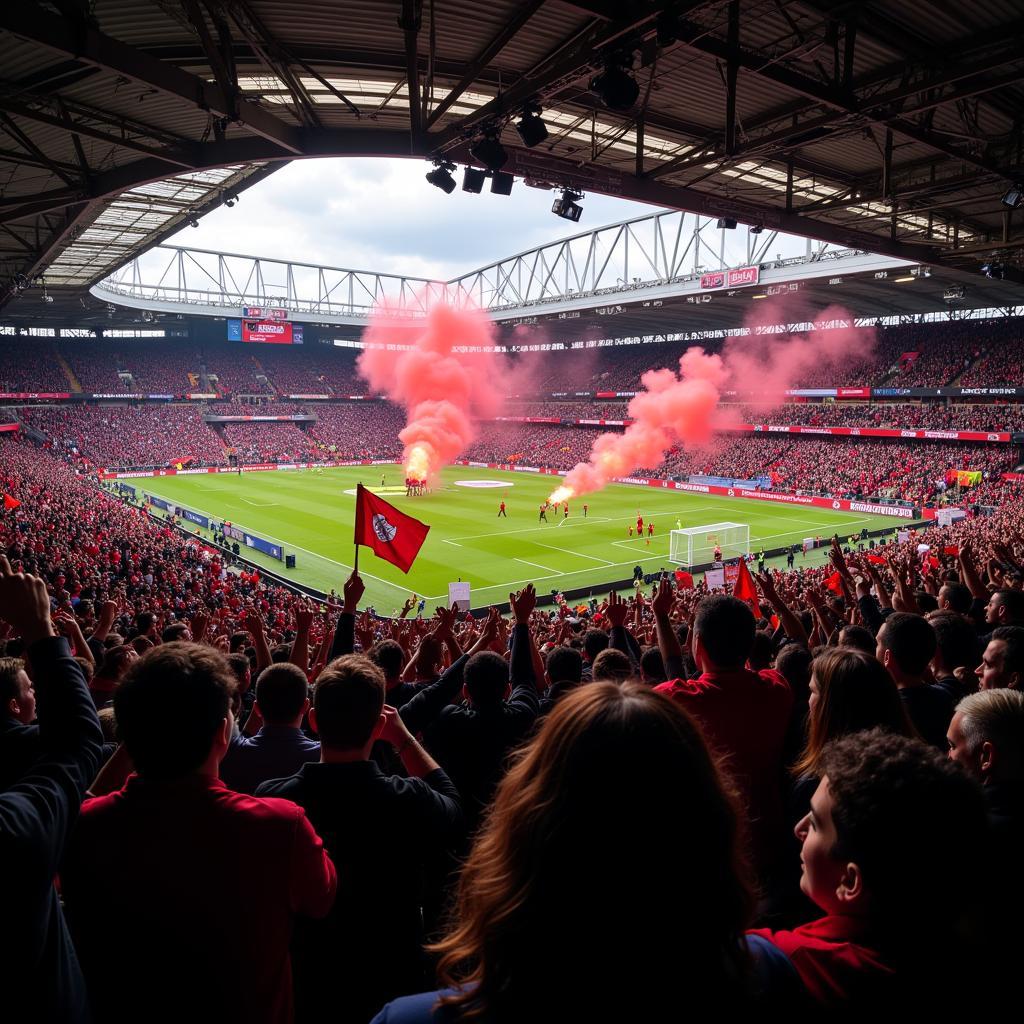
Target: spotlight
point(615, 87)
point(192, 220)
point(567, 206)
point(501, 183)
point(489, 152)
point(473, 180)
point(993, 270)
point(726, 222)
point(47, 297)
point(1013, 196)
point(441, 176)
point(531, 128)
point(230, 199)
point(756, 229)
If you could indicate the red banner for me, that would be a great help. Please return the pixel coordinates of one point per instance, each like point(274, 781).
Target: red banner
point(853, 392)
point(738, 277)
point(9, 427)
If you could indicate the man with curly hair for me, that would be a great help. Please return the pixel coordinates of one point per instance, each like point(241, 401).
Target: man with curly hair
point(891, 826)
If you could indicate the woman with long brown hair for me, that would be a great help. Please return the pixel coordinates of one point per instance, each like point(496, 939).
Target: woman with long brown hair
point(850, 692)
point(606, 881)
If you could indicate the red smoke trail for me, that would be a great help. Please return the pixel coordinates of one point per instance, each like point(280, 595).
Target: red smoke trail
point(683, 408)
point(441, 390)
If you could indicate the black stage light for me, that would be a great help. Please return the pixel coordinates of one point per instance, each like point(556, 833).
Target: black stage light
point(502, 182)
point(567, 206)
point(1013, 196)
point(441, 176)
point(489, 152)
point(726, 222)
point(473, 180)
point(532, 129)
point(615, 88)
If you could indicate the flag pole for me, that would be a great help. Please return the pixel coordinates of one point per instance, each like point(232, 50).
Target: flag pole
point(355, 565)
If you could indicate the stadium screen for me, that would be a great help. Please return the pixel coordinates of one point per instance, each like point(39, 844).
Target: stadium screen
point(265, 332)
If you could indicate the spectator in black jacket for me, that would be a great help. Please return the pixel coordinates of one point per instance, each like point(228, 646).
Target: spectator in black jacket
point(472, 740)
point(39, 973)
point(388, 836)
point(19, 738)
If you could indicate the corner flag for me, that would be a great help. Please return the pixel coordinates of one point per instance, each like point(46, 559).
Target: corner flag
point(393, 536)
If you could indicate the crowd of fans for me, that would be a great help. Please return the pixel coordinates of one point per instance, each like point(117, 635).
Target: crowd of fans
point(127, 435)
point(31, 365)
point(805, 796)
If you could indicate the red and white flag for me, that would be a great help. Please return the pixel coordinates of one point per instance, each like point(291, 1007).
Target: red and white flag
point(391, 534)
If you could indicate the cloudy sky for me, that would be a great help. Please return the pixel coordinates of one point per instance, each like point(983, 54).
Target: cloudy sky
point(381, 215)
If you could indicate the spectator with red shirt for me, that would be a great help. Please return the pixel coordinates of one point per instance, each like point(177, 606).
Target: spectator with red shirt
point(181, 893)
point(744, 715)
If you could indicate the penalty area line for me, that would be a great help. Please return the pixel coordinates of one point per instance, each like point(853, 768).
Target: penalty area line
point(546, 568)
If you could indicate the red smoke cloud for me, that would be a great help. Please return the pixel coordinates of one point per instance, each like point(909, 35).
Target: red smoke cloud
point(682, 408)
point(441, 390)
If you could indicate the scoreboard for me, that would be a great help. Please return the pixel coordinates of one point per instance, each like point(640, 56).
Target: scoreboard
point(265, 332)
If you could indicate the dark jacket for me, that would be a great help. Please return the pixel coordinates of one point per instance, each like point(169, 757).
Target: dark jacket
point(39, 972)
point(388, 837)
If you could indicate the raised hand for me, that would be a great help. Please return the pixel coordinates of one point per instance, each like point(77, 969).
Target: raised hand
point(353, 592)
point(523, 603)
point(663, 600)
point(24, 603)
point(617, 611)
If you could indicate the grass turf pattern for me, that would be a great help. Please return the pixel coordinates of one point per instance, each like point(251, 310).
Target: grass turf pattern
point(311, 515)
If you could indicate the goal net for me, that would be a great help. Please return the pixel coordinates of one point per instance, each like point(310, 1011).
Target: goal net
point(696, 545)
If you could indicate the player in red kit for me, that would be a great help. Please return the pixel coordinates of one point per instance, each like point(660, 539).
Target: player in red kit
point(501, 510)
point(650, 529)
point(639, 525)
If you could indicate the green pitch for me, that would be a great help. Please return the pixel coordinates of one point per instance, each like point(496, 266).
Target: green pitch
point(311, 515)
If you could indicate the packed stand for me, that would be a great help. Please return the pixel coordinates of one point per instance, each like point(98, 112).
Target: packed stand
point(841, 467)
point(267, 442)
point(155, 366)
point(358, 430)
point(1001, 360)
point(30, 365)
point(236, 368)
point(312, 370)
point(923, 416)
point(127, 435)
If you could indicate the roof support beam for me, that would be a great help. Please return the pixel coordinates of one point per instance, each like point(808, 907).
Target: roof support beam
point(31, 22)
point(484, 58)
point(696, 38)
point(563, 70)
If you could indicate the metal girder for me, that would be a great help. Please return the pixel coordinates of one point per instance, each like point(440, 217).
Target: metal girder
point(410, 25)
point(215, 55)
point(69, 224)
point(31, 22)
point(554, 75)
point(168, 156)
point(41, 159)
point(484, 58)
point(697, 38)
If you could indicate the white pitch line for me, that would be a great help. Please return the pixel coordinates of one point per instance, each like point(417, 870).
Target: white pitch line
point(260, 504)
point(453, 544)
point(546, 568)
point(284, 543)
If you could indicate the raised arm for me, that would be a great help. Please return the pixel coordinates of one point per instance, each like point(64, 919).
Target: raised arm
point(668, 642)
point(37, 812)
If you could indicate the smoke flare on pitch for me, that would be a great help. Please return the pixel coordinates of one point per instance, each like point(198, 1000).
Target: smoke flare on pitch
point(441, 390)
point(683, 408)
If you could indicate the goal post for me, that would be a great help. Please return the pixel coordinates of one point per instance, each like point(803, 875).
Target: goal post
point(696, 545)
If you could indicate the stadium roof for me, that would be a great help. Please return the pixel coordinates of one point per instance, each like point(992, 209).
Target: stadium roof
point(892, 128)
